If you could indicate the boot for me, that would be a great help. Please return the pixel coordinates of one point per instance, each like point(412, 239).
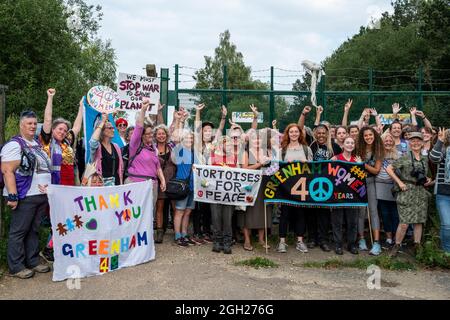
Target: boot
point(218, 242)
point(227, 242)
point(159, 236)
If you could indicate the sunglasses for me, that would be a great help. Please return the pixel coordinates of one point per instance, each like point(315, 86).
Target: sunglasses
point(235, 138)
point(109, 128)
point(122, 125)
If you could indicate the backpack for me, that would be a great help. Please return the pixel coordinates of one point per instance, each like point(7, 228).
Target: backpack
point(30, 159)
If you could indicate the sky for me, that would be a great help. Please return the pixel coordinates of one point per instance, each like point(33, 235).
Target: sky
point(268, 33)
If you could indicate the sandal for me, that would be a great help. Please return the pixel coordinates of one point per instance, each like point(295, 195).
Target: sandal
point(248, 248)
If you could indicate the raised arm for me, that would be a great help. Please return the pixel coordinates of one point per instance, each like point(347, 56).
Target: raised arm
point(303, 115)
point(375, 114)
point(361, 120)
point(255, 116)
point(145, 106)
point(98, 129)
point(160, 118)
point(436, 155)
point(425, 120)
point(319, 111)
point(347, 107)
point(222, 124)
point(198, 134)
point(274, 124)
point(76, 128)
point(413, 111)
point(396, 109)
point(47, 126)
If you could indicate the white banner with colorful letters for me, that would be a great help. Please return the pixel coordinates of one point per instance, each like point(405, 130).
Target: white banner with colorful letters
point(100, 229)
point(225, 185)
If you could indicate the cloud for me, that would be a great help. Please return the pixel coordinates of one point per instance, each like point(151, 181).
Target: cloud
point(268, 33)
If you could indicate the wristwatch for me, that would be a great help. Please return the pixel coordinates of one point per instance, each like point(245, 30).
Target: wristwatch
point(13, 197)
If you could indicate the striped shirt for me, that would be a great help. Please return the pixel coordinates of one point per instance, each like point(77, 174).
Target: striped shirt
point(437, 155)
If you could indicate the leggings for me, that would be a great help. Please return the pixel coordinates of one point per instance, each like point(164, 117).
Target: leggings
point(372, 199)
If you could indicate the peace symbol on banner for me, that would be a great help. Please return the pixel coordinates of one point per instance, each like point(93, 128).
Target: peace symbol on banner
point(103, 99)
point(321, 189)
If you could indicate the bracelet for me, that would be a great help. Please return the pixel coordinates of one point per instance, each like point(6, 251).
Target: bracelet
point(13, 197)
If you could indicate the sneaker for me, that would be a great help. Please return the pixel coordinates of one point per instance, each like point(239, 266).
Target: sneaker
point(159, 236)
point(207, 238)
point(282, 247)
point(339, 251)
point(325, 247)
point(189, 241)
point(388, 244)
point(376, 249)
point(301, 246)
point(197, 239)
point(47, 255)
point(181, 242)
point(353, 249)
point(362, 245)
point(217, 247)
point(41, 268)
point(24, 274)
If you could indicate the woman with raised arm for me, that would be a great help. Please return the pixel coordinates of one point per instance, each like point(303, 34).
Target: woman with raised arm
point(383, 186)
point(440, 154)
point(58, 141)
point(293, 148)
point(204, 142)
point(144, 163)
point(257, 158)
point(370, 150)
point(412, 196)
point(347, 107)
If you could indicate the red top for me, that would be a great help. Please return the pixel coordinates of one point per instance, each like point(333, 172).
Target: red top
point(340, 157)
point(223, 160)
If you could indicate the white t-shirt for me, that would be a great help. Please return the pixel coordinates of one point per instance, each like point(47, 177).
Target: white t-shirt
point(42, 176)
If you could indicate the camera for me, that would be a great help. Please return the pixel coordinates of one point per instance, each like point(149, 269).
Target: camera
point(420, 176)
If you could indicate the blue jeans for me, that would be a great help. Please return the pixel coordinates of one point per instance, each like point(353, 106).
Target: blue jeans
point(443, 206)
point(389, 214)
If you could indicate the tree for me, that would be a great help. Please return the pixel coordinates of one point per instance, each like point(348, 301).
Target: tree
point(52, 43)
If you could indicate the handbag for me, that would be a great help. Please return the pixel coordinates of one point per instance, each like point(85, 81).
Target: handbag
point(178, 189)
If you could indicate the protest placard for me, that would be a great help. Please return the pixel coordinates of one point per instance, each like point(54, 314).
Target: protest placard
point(132, 90)
point(388, 118)
point(246, 117)
point(224, 185)
point(318, 184)
point(100, 229)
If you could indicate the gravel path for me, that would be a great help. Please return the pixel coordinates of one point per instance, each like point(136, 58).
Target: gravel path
point(197, 273)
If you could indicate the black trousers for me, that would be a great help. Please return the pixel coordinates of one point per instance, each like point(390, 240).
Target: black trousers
point(202, 218)
point(318, 221)
point(337, 219)
point(23, 240)
point(294, 215)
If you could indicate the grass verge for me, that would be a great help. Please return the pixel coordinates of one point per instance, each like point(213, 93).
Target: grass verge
point(257, 263)
point(384, 262)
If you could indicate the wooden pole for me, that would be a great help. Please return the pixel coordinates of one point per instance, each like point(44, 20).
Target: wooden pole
point(2, 141)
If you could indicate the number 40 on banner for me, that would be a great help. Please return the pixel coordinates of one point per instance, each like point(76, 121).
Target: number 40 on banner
point(106, 267)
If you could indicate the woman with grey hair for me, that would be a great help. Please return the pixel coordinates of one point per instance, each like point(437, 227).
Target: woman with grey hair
point(26, 171)
point(58, 141)
point(163, 147)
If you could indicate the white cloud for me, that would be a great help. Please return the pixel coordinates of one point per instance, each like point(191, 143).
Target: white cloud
point(279, 33)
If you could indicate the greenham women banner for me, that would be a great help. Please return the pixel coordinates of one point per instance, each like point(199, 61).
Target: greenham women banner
point(318, 184)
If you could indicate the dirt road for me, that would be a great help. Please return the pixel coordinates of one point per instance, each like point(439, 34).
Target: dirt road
point(198, 273)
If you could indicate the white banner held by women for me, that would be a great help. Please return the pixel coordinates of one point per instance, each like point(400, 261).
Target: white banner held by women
point(101, 229)
point(224, 185)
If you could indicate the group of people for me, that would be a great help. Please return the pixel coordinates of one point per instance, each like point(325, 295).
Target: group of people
point(398, 160)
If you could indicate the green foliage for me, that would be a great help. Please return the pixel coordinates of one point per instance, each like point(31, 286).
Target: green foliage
point(257, 263)
point(11, 126)
point(52, 43)
point(384, 262)
point(431, 255)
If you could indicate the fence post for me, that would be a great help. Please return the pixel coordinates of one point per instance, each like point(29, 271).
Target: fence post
point(177, 101)
point(224, 90)
point(323, 96)
point(2, 140)
point(272, 99)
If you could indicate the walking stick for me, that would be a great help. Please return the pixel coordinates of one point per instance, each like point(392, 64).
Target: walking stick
point(265, 225)
point(370, 225)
